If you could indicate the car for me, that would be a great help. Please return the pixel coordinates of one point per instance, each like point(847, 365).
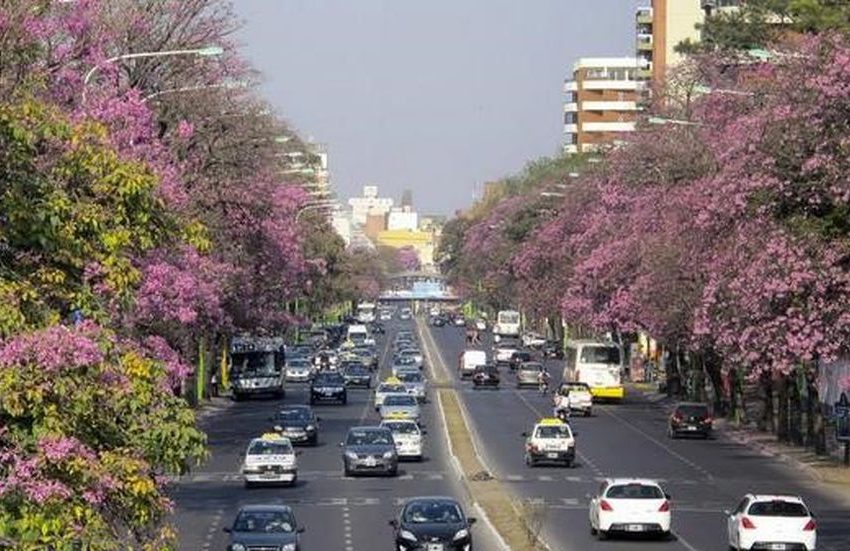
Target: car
point(385, 315)
point(574, 396)
point(414, 382)
point(405, 314)
point(459, 321)
point(533, 340)
point(528, 373)
point(438, 321)
point(298, 370)
point(377, 328)
point(550, 441)
point(356, 374)
point(691, 419)
point(328, 387)
point(400, 406)
point(389, 387)
point(369, 450)
point(469, 360)
point(325, 360)
point(486, 376)
point(264, 527)
point(410, 352)
point(480, 325)
point(404, 362)
point(518, 358)
point(630, 506)
point(437, 523)
point(771, 522)
point(270, 459)
point(298, 423)
point(407, 437)
point(553, 350)
point(504, 349)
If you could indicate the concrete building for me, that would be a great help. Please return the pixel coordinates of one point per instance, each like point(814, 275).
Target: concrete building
point(376, 222)
point(601, 103)
point(341, 223)
point(403, 218)
point(368, 203)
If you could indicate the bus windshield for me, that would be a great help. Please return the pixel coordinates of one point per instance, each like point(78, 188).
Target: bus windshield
point(254, 364)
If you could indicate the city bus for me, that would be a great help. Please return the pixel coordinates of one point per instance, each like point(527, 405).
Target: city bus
point(507, 324)
point(598, 364)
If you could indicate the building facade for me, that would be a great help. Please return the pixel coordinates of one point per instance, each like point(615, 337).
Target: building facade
point(403, 218)
point(368, 204)
point(601, 103)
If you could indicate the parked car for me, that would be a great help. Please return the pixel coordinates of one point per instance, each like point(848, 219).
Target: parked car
point(264, 527)
point(691, 419)
point(771, 522)
point(486, 376)
point(630, 506)
point(328, 387)
point(528, 373)
point(437, 523)
point(369, 450)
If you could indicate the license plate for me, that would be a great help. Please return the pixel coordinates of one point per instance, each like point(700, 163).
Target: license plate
point(435, 547)
point(552, 455)
point(370, 462)
point(327, 393)
point(269, 475)
point(692, 428)
point(634, 528)
point(778, 546)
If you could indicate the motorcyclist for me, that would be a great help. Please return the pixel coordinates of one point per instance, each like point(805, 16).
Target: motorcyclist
point(543, 381)
point(561, 404)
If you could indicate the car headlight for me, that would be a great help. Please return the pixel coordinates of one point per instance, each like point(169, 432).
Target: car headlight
point(288, 547)
point(407, 535)
point(351, 455)
point(237, 547)
point(309, 428)
point(389, 455)
point(462, 533)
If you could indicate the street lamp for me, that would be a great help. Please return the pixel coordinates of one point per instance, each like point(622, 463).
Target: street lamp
point(227, 85)
point(209, 51)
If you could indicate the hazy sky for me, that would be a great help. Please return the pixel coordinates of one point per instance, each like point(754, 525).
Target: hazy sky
point(432, 95)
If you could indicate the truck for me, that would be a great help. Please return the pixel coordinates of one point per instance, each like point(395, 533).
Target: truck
point(257, 366)
point(469, 360)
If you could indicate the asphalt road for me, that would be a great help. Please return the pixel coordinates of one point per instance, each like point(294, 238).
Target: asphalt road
point(340, 514)
point(628, 439)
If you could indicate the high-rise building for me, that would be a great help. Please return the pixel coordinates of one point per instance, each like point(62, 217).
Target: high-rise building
point(601, 104)
point(368, 203)
point(403, 218)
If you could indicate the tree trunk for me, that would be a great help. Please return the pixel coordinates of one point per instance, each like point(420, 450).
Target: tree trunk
point(795, 409)
point(768, 421)
point(782, 409)
point(713, 370)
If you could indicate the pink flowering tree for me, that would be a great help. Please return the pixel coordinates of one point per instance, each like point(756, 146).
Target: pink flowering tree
point(408, 259)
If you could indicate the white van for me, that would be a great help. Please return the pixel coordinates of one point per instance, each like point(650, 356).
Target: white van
point(358, 334)
point(599, 364)
point(469, 360)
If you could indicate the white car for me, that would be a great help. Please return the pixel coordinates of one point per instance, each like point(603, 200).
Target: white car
point(574, 397)
point(407, 437)
point(270, 459)
point(551, 441)
point(771, 522)
point(630, 505)
point(298, 371)
point(390, 386)
point(400, 406)
point(532, 340)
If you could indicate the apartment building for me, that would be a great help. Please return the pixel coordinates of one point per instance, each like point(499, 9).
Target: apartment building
point(601, 103)
point(665, 24)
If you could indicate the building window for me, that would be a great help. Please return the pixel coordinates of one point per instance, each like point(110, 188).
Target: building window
point(597, 74)
point(570, 118)
point(572, 97)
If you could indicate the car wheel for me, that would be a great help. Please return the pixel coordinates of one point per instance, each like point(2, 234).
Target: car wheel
point(592, 530)
point(529, 461)
point(347, 472)
point(393, 472)
point(601, 535)
point(237, 397)
point(568, 463)
point(315, 440)
point(588, 413)
point(248, 485)
point(345, 400)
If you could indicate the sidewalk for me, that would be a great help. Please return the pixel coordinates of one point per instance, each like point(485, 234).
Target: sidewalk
point(213, 406)
point(827, 469)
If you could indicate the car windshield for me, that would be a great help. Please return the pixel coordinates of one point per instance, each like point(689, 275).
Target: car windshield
point(432, 512)
point(369, 438)
point(531, 367)
point(295, 414)
point(405, 360)
point(600, 355)
point(401, 427)
point(410, 376)
point(634, 491)
point(508, 344)
point(778, 508)
point(387, 388)
point(299, 363)
point(399, 400)
point(267, 522)
point(329, 380)
point(270, 447)
point(356, 370)
point(553, 431)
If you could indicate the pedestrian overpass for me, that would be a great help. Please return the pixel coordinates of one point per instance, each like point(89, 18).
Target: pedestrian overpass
point(418, 286)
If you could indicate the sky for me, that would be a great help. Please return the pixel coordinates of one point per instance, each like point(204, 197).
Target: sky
point(436, 96)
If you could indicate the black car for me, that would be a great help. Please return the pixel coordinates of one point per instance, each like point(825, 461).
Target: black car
point(369, 450)
point(553, 350)
point(328, 387)
point(298, 423)
point(486, 375)
point(520, 357)
point(356, 374)
point(690, 419)
point(438, 321)
point(377, 328)
point(427, 523)
point(264, 527)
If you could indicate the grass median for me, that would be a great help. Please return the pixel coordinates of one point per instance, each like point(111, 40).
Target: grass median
point(519, 524)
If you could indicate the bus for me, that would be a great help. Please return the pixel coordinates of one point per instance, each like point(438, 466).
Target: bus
point(598, 364)
point(366, 312)
point(507, 324)
point(256, 366)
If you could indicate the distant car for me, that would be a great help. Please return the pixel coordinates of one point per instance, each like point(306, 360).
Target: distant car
point(356, 374)
point(400, 406)
point(504, 349)
point(519, 357)
point(528, 373)
point(459, 321)
point(328, 387)
point(533, 340)
point(550, 441)
point(270, 460)
point(298, 370)
point(298, 423)
point(377, 328)
point(469, 360)
point(432, 523)
point(388, 388)
point(480, 325)
point(575, 397)
point(405, 314)
point(486, 376)
point(414, 382)
point(438, 321)
point(401, 363)
point(264, 527)
point(407, 436)
point(386, 315)
point(691, 419)
point(369, 450)
point(553, 350)
point(630, 506)
point(771, 522)
point(410, 352)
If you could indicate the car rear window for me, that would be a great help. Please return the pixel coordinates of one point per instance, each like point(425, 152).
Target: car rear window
point(634, 491)
point(399, 400)
point(693, 411)
point(778, 508)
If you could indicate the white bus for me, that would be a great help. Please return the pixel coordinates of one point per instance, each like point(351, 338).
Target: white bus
point(507, 323)
point(366, 312)
point(599, 364)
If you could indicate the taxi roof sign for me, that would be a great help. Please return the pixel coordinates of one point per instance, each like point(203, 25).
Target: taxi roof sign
point(268, 436)
point(549, 421)
point(393, 381)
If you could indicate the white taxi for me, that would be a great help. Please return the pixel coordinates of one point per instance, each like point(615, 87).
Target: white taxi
point(630, 506)
point(391, 385)
point(550, 441)
point(270, 459)
point(407, 437)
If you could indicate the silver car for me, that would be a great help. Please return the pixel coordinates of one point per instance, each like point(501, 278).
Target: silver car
point(369, 450)
point(298, 370)
point(400, 406)
point(414, 382)
point(528, 373)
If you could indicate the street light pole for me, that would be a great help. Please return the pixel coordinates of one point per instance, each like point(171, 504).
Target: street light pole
point(209, 51)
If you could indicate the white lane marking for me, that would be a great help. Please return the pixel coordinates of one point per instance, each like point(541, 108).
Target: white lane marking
point(382, 364)
point(658, 443)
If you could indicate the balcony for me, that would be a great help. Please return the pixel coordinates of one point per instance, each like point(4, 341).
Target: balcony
point(570, 128)
point(644, 73)
point(644, 42)
point(571, 107)
point(571, 86)
point(644, 16)
point(609, 106)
